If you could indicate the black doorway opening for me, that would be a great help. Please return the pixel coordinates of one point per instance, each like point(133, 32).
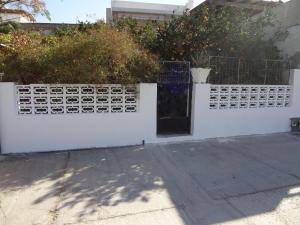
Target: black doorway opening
point(174, 99)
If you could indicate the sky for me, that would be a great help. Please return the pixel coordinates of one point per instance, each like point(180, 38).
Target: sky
point(72, 11)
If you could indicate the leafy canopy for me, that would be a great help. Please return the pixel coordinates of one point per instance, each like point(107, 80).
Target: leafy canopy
point(143, 33)
point(225, 31)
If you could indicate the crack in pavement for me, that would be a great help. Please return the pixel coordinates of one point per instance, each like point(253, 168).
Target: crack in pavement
point(261, 191)
point(179, 207)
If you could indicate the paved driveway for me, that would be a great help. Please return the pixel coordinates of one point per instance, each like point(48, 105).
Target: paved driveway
point(247, 180)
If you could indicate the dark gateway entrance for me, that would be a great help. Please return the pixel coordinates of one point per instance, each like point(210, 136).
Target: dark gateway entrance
point(174, 98)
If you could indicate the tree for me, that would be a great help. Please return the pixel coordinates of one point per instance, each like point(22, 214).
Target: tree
point(31, 7)
point(226, 31)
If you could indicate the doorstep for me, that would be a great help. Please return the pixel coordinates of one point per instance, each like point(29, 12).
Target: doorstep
point(169, 138)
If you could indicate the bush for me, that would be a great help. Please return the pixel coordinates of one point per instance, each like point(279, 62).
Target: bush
point(144, 33)
point(101, 55)
point(6, 27)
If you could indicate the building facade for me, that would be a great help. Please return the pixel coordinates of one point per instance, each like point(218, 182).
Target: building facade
point(143, 11)
point(14, 15)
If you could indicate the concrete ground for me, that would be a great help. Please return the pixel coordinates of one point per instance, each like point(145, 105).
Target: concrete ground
point(234, 181)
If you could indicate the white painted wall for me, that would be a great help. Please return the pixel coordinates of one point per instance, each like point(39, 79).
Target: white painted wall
point(208, 123)
point(40, 133)
point(146, 7)
point(191, 4)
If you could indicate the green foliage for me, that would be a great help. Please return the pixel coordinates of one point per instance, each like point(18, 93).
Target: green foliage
point(144, 33)
point(64, 31)
point(101, 55)
point(69, 30)
point(226, 31)
point(7, 27)
point(200, 59)
point(87, 26)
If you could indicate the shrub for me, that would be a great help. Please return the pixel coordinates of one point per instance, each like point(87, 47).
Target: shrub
point(144, 33)
point(101, 55)
point(6, 27)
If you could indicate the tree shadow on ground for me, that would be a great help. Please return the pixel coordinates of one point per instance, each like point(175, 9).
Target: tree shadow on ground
point(200, 183)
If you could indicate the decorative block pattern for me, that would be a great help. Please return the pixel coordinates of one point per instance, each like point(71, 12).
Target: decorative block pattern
point(249, 96)
point(48, 99)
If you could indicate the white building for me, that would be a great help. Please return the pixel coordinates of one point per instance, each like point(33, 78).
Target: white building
point(194, 3)
point(142, 10)
point(14, 15)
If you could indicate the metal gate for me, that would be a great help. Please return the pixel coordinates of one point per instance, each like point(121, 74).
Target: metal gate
point(174, 98)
